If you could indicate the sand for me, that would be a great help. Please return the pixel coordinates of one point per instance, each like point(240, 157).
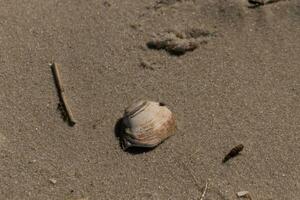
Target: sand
point(241, 85)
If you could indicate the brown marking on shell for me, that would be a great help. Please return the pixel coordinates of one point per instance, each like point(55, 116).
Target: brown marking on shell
point(157, 136)
point(158, 126)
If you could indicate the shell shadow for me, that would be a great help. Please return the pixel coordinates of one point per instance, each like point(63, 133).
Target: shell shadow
point(254, 6)
point(120, 132)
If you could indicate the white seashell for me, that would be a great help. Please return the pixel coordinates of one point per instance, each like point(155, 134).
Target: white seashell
point(147, 124)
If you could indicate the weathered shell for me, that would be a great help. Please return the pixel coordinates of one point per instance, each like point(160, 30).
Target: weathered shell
point(147, 124)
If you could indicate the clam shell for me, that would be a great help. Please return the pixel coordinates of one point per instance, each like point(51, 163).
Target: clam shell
point(147, 123)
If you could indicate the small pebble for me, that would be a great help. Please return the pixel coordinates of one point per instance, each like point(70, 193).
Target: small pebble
point(53, 181)
point(244, 194)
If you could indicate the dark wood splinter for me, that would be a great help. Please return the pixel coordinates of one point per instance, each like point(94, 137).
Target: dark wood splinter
point(257, 3)
point(234, 152)
point(61, 93)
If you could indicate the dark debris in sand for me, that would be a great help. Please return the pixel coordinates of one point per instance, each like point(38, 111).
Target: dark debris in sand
point(164, 3)
point(258, 3)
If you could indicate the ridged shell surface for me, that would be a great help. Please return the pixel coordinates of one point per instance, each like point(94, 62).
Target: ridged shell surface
point(148, 123)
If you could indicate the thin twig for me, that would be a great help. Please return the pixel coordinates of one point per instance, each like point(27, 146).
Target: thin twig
point(192, 175)
point(196, 182)
point(257, 3)
point(197, 151)
point(272, 1)
point(204, 191)
point(61, 93)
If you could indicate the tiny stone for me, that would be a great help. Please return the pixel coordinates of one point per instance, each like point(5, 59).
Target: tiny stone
point(32, 161)
point(53, 181)
point(242, 193)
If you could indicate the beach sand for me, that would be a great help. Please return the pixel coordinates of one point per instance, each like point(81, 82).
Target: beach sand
point(240, 86)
